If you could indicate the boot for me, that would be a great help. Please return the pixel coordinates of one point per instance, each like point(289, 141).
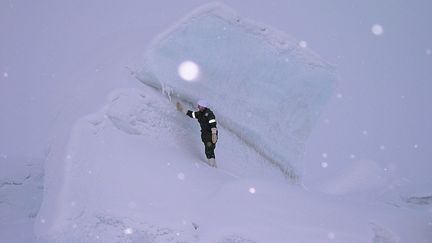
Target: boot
point(212, 162)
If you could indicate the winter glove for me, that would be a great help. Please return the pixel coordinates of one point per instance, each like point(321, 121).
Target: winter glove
point(180, 107)
point(214, 135)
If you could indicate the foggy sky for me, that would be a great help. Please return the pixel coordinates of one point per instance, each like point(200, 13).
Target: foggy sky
point(379, 112)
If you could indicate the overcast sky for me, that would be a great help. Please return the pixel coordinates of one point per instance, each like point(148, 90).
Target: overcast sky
point(382, 51)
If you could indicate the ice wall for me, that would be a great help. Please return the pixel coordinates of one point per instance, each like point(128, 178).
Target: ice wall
point(263, 86)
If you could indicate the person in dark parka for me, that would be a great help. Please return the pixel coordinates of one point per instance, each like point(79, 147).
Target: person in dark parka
point(207, 121)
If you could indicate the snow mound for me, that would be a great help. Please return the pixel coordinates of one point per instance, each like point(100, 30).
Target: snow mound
point(130, 173)
point(263, 86)
point(359, 176)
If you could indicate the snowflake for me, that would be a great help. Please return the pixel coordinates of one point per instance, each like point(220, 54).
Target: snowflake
point(188, 71)
point(303, 44)
point(331, 235)
point(365, 132)
point(352, 156)
point(5, 74)
point(4, 156)
point(252, 190)
point(180, 176)
point(377, 29)
point(128, 231)
point(339, 96)
point(324, 164)
point(326, 121)
point(43, 221)
point(416, 146)
point(382, 147)
point(428, 52)
point(324, 155)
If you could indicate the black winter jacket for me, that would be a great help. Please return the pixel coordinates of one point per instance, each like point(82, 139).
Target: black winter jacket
point(206, 119)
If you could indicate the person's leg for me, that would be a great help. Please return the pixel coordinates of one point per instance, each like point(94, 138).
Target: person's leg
point(209, 148)
point(209, 151)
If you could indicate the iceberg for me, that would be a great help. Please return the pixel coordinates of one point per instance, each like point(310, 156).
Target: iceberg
point(264, 86)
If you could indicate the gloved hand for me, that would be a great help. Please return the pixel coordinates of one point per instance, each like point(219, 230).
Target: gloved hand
point(214, 135)
point(180, 107)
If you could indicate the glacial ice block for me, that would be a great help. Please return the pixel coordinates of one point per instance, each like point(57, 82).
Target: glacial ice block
point(262, 85)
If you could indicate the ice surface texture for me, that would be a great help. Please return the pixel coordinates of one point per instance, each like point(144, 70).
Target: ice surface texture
point(263, 86)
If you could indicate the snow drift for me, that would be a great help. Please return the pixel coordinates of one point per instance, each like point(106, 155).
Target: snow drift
point(133, 171)
point(263, 86)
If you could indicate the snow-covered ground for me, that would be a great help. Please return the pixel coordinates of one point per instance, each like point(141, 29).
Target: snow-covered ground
point(131, 168)
point(134, 173)
point(21, 187)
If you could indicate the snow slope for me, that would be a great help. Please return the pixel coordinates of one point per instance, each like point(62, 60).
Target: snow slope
point(275, 87)
point(133, 173)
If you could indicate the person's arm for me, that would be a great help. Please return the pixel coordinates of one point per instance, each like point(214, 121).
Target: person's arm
point(193, 114)
point(213, 123)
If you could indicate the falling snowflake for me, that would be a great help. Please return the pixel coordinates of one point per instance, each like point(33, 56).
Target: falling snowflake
point(377, 29)
point(128, 231)
point(188, 71)
point(180, 176)
point(382, 147)
point(4, 156)
point(252, 190)
point(339, 96)
point(43, 221)
point(303, 44)
point(352, 156)
point(324, 164)
point(416, 146)
point(326, 121)
point(74, 226)
point(365, 132)
point(331, 235)
point(428, 52)
point(324, 155)
point(5, 74)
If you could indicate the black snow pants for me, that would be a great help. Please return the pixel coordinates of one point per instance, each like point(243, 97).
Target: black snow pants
point(206, 138)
